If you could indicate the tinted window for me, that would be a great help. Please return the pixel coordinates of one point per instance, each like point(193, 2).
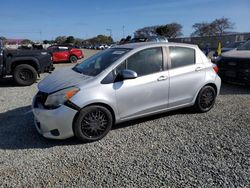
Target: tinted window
point(146, 61)
point(181, 56)
point(245, 46)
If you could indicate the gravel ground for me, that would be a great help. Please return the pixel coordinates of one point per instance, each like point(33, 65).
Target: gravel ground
point(176, 149)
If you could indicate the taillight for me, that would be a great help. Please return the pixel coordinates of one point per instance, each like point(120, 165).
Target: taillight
point(216, 69)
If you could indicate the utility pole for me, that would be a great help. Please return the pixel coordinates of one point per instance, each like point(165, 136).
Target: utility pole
point(110, 31)
point(123, 33)
point(40, 32)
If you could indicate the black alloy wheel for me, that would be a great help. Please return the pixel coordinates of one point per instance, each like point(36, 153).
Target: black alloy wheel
point(206, 99)
point(93, 123)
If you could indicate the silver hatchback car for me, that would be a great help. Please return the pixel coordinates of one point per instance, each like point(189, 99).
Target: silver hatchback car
point(123, 83)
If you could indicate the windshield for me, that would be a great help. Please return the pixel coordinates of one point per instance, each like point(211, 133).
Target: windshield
point(100, 61)
point(245, 46)
point(234, 45)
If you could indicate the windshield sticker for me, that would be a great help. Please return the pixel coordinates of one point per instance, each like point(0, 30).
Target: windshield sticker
point(118, 52)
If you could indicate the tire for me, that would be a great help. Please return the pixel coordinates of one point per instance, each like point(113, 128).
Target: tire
point(205, 99)
point(25, 75)
point(73, 59)
point(88, 126)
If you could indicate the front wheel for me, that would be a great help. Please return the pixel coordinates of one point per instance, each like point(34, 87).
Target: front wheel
point(205, 99)
point(25, 75)
point(93, 123)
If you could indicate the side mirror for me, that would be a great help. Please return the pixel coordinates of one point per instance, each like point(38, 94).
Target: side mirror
point(128, 74)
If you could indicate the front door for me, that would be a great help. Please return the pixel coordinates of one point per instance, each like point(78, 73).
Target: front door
point(149, 91)
point(61, 54)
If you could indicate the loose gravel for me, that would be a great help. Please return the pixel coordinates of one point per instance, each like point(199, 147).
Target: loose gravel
point(175, 149)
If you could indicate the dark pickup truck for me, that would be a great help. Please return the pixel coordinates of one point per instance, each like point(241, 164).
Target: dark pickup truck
point(24, 65)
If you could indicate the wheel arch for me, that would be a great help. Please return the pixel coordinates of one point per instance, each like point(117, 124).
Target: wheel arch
point(213, 86)
point(207, 84)
point(31, 62)
point(73, 54)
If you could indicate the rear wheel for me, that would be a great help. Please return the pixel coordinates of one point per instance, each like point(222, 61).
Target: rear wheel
point(25, 75)
point(73, 59)
point(93, 123)
point(205, 99)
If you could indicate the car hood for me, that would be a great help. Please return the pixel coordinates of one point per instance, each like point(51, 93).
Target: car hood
point(236, 54)
point(61, 79)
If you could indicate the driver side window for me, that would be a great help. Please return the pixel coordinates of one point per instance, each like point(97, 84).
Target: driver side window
point(144, 62)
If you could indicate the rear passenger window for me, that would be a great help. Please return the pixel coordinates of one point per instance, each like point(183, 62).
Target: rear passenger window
point(181, 56)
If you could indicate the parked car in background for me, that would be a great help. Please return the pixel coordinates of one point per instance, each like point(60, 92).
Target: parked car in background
point(65, 53)
point(24, 65)
point(101, 47)
point(229, 47)
point(123, 83)
point(232, 46)
point(234, 65)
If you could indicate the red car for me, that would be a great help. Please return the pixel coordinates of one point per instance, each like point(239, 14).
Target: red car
point(65, 53)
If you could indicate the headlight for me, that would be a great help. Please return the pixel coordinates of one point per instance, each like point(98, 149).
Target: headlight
point(56, 99)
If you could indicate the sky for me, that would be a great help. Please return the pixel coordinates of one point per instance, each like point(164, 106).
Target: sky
point(47, 19)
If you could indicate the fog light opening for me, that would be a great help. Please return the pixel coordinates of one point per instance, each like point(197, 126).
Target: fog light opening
point(55, 132)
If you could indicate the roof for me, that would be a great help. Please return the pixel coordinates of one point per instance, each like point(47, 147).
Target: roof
point(146, 44)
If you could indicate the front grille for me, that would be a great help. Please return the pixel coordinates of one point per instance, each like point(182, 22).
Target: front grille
point(40, 99)
point(234, 63)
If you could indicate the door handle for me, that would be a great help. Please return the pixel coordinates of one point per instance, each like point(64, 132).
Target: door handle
point(162, 78)
point(198, 68)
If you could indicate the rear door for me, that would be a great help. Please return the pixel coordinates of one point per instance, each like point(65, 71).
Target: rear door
point(187, 75)
point(149, 91)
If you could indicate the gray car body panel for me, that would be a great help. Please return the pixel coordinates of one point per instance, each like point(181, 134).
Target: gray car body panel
point(61, 79)
point(144, 95)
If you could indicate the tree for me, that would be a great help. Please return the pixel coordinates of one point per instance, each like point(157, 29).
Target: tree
point(2, 38)
point(202, 29)
point(48, 42)
point(70, 40)
point(171, 30)
point(27, 41)
point(78, 41)
point(99, 39)
point(146, 32)
point(60, 39)
point(222, 25)
point(216, 27)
